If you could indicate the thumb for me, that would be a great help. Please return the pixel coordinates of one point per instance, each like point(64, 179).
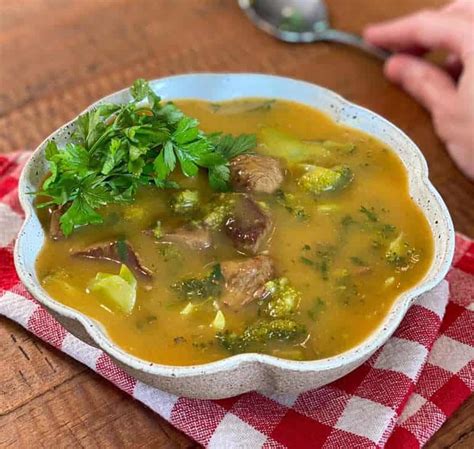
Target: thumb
point(428, 84)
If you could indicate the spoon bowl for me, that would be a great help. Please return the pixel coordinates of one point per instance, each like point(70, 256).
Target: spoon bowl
point(302, 21)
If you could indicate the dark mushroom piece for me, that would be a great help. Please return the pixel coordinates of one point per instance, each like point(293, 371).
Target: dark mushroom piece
point(190, 237)
point(118, 251)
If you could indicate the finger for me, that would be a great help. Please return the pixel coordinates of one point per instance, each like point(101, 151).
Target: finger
point(426, 29)
point(464, 7)
point(453, 66)
point(428, 84)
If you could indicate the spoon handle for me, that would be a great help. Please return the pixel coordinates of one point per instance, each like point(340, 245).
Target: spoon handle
point(356, 41)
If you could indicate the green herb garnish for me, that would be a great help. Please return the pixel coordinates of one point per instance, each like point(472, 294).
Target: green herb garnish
point(117, 148)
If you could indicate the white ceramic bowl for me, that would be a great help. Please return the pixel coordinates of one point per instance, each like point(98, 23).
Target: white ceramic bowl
point(245, 372)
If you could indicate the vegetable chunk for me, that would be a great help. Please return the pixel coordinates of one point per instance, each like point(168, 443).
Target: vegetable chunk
point(118, 291)
point(285, 146)
point(321, 180)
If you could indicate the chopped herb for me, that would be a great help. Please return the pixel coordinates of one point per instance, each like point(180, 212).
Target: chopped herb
point(122, 250)
point(387, 230)
point(202, 345)
point(358, 261)
point(179, 340)
point(347, 220)
point(369, 213)
point(317, 307)
point(321, 260)
point(345, 288)
point(324, 256)
point(306, 248)
point(376, 244)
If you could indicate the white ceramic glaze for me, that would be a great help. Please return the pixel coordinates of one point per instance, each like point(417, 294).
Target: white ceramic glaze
point(245, 372)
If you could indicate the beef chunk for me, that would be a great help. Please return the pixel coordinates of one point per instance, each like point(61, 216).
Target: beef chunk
point(56, 213)
point(193, 238)
point(255, 173)
point(119, 252)
point(244, 279)
point(249, 226)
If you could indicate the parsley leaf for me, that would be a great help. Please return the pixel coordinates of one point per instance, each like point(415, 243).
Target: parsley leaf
point(219, 177)
point(80, 213)
point(230, 146)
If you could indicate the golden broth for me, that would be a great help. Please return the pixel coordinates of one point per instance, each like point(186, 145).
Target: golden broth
point(156, 331)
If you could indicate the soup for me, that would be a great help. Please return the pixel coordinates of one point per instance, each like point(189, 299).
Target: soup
point(301, 258)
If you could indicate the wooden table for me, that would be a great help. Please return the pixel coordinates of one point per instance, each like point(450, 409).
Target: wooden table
point(58, 56)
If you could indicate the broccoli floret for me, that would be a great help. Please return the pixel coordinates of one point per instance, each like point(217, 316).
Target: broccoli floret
point(231, 342)
point(282, 299)
point(400, 254)
point(320, 179)
point(185, 202)
point(291, 204)
point(279, 329)
point(217, 211)
point(209, 286)
point(261, 332)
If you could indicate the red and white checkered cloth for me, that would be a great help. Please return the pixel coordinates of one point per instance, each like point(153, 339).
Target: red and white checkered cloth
point(397, 399)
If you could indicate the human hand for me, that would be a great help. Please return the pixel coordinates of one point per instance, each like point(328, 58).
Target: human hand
point(447, 93)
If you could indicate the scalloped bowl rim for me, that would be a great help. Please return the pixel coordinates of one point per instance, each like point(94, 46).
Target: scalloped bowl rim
point(371, 343)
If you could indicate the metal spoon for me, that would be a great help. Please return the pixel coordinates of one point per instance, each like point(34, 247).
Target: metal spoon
point(302, 21)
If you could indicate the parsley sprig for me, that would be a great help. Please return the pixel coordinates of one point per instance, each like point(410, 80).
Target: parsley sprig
point(118, 147)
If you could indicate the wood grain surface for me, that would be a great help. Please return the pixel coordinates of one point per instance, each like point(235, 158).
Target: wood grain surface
point(56, 57)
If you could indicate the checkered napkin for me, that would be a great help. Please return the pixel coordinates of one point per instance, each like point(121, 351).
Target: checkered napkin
point(398, 398)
